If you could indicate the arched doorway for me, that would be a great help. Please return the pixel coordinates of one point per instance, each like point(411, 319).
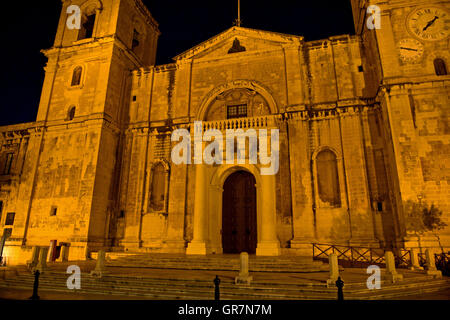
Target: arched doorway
point(239, 221)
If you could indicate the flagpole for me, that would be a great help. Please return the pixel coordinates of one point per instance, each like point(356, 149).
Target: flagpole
point(239, 14)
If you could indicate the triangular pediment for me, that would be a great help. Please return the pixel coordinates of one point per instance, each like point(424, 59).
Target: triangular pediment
point(238, 39)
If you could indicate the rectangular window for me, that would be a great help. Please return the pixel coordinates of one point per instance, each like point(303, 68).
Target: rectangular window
point(87, 30)
point(10, 219)
point(53, 211)
point(380, 206)
point(8, 163)
point(239, 111)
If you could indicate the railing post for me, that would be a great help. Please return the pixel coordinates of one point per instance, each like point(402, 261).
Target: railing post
point(391, 272)
point(244, 276)
point(217, 288)
point(35, 295)
point(340, 286)
point(334, 270)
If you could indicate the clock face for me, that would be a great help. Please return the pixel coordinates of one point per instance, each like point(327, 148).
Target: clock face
point(410, 50)
point(429, 23)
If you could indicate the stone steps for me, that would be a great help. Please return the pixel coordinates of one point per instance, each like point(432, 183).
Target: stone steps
point(170, 291)
point(190, 289)
point(217, 263)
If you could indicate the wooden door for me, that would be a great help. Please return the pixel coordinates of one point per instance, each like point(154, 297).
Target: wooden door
point(239, 226)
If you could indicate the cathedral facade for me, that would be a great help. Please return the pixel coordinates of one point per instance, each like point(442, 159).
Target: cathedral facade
point(363, 126)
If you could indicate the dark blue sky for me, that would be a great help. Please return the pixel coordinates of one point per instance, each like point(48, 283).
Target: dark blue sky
point(183, 23)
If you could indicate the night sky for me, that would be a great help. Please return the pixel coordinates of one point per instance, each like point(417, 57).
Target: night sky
point(183, 24)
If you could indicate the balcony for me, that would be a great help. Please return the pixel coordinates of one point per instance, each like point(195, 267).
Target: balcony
point(262, 122)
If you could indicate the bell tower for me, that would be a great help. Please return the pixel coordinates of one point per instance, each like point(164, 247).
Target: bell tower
point(82, 117)
point(406, 64)
point(96, 45)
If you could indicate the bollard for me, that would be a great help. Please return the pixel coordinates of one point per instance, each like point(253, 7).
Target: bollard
point(391, 272)
point(431, 265)
point(217, 288)
point(334, 269)
point(415, 265)
point(244, 276)
point(100, 269)
point(340, 286)
point(35, 286)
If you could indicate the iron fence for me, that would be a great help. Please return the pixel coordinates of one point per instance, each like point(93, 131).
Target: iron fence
point(359, 256)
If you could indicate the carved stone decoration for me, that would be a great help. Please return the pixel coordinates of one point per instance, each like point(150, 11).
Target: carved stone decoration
point(253, 90)
point(236, 47)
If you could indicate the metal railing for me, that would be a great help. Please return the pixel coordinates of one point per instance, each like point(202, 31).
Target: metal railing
point(442, 261)
point(359, 256)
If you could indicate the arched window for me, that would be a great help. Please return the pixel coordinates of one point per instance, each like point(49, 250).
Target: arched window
point(136, 40)
point(71, 113)
point(158, 188)
point(439, 67)
point(328, 178)
point(76, 76)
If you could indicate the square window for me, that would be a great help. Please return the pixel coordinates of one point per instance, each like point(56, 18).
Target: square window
point(239, 111)
point(10, 219)
point(360, 68)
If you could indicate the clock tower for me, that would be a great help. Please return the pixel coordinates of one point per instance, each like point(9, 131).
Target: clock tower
point(406, 64)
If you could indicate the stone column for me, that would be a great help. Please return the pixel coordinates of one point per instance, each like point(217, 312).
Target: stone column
point(198, 244)
point(244, 276)
point(334, 270)
point(64, 252)
point(391, 272)
point(268, 244)
point(431, 265)
point(2, 246)
point(42, 265)
point(51, 250)
point(175, 242)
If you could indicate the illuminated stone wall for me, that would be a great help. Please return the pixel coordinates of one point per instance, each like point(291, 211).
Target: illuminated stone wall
point(390, 142)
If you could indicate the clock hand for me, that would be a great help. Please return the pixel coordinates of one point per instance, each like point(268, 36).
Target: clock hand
point(430, 23)
point(410, 49)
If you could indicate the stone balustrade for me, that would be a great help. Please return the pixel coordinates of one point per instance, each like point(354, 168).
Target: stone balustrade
point(263, 122)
